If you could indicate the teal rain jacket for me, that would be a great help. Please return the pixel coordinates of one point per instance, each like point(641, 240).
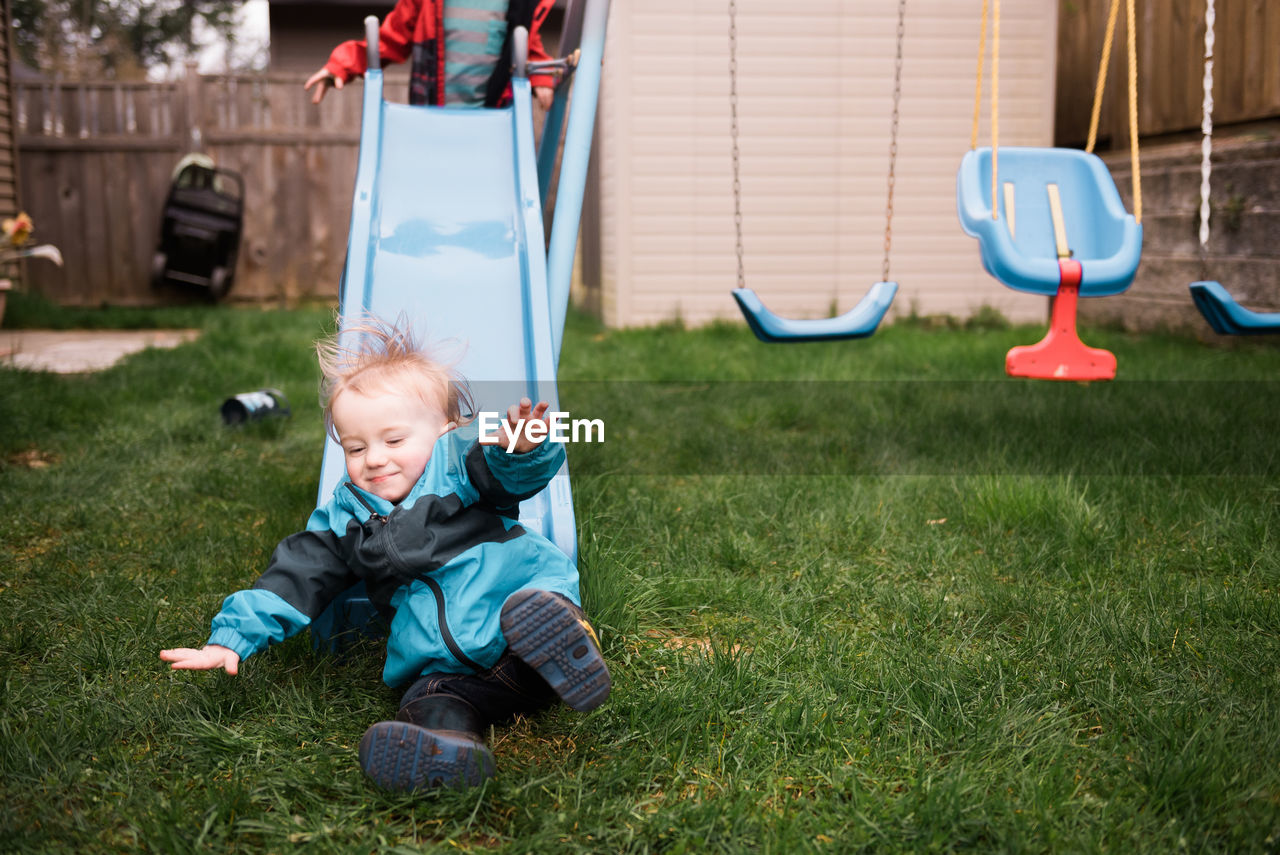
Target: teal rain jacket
point(438, 566)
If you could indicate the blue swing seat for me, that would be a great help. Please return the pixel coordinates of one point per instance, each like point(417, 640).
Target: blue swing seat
point(859, 322)
point(1104, 238)
point(1226, 316)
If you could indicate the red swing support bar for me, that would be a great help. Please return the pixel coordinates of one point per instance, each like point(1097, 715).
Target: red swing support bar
point(1061, 355)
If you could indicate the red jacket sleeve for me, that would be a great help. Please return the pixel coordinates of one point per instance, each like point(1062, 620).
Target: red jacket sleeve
point(536, 52)
point(395, 37)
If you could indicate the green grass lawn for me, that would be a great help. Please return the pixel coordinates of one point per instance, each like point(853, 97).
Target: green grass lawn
point(866, 596)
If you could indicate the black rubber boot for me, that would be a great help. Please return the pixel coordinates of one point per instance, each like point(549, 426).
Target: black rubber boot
point(551, 635)
point(434, 742)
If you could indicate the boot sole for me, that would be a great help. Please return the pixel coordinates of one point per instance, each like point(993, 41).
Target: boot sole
point(541, 629)
point(405, 757)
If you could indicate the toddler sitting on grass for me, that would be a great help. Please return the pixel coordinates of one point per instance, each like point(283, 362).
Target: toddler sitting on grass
point(485, 616)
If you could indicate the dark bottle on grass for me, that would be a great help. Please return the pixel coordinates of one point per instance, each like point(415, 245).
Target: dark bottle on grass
point(255, 406)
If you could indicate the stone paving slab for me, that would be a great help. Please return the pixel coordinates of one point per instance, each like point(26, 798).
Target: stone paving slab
point(81, 351)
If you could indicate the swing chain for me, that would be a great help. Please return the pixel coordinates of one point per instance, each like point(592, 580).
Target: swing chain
point(733, 132)
point(893, 138)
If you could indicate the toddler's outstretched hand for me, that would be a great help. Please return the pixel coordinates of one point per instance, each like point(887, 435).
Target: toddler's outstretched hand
point(517, 424)
point(206, 658)
point(324, 78)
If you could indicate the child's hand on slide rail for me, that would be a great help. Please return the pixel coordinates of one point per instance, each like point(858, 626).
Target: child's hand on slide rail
point(206, 658)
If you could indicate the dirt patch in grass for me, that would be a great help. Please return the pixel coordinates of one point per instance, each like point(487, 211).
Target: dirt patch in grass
point(32, 458)
point(685, 644)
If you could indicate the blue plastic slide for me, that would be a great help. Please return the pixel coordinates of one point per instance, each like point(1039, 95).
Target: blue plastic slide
point(446, 232)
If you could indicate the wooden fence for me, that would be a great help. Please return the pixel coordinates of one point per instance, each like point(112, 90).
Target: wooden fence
point(1170, 67)
point(96, 161)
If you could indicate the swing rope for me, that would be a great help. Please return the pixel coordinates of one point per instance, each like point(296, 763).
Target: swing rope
point(1206, 130)
point(995, 94)
point(995, 104)
point(1102, 76)
point(1132, 45)
point(994, 16)
point(977, 87)
point(733, 134)
point(1133, 111)
point(1219, 308)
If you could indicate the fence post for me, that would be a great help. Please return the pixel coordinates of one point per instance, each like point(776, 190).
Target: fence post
point(82, 105)
point(192, 99)
point(20, 106)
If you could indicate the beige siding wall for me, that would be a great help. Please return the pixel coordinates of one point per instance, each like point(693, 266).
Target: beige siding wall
point(815, 95)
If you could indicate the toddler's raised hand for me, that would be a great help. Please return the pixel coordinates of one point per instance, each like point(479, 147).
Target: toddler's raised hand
point(206, 658)
point(515, 430)
point(324, 78)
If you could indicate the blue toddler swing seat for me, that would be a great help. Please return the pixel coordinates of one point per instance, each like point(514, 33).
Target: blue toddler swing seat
point(1047, 195)
point(1050, 221)
point(1019, 246)
point(447, 231)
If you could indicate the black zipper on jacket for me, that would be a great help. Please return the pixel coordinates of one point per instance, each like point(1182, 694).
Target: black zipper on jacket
point(445, 634)
point(436, 591)
point(351, 488)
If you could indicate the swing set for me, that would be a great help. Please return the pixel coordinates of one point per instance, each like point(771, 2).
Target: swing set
point(1224, 314)
point(1048, 221)
point(860, 321)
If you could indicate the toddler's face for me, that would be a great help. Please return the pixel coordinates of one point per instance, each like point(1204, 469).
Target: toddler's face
point(387, 439)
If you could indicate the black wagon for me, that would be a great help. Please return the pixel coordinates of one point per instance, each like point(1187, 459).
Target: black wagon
point(200, 227)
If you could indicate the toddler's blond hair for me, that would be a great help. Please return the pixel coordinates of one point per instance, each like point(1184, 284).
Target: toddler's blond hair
point(372, 356)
